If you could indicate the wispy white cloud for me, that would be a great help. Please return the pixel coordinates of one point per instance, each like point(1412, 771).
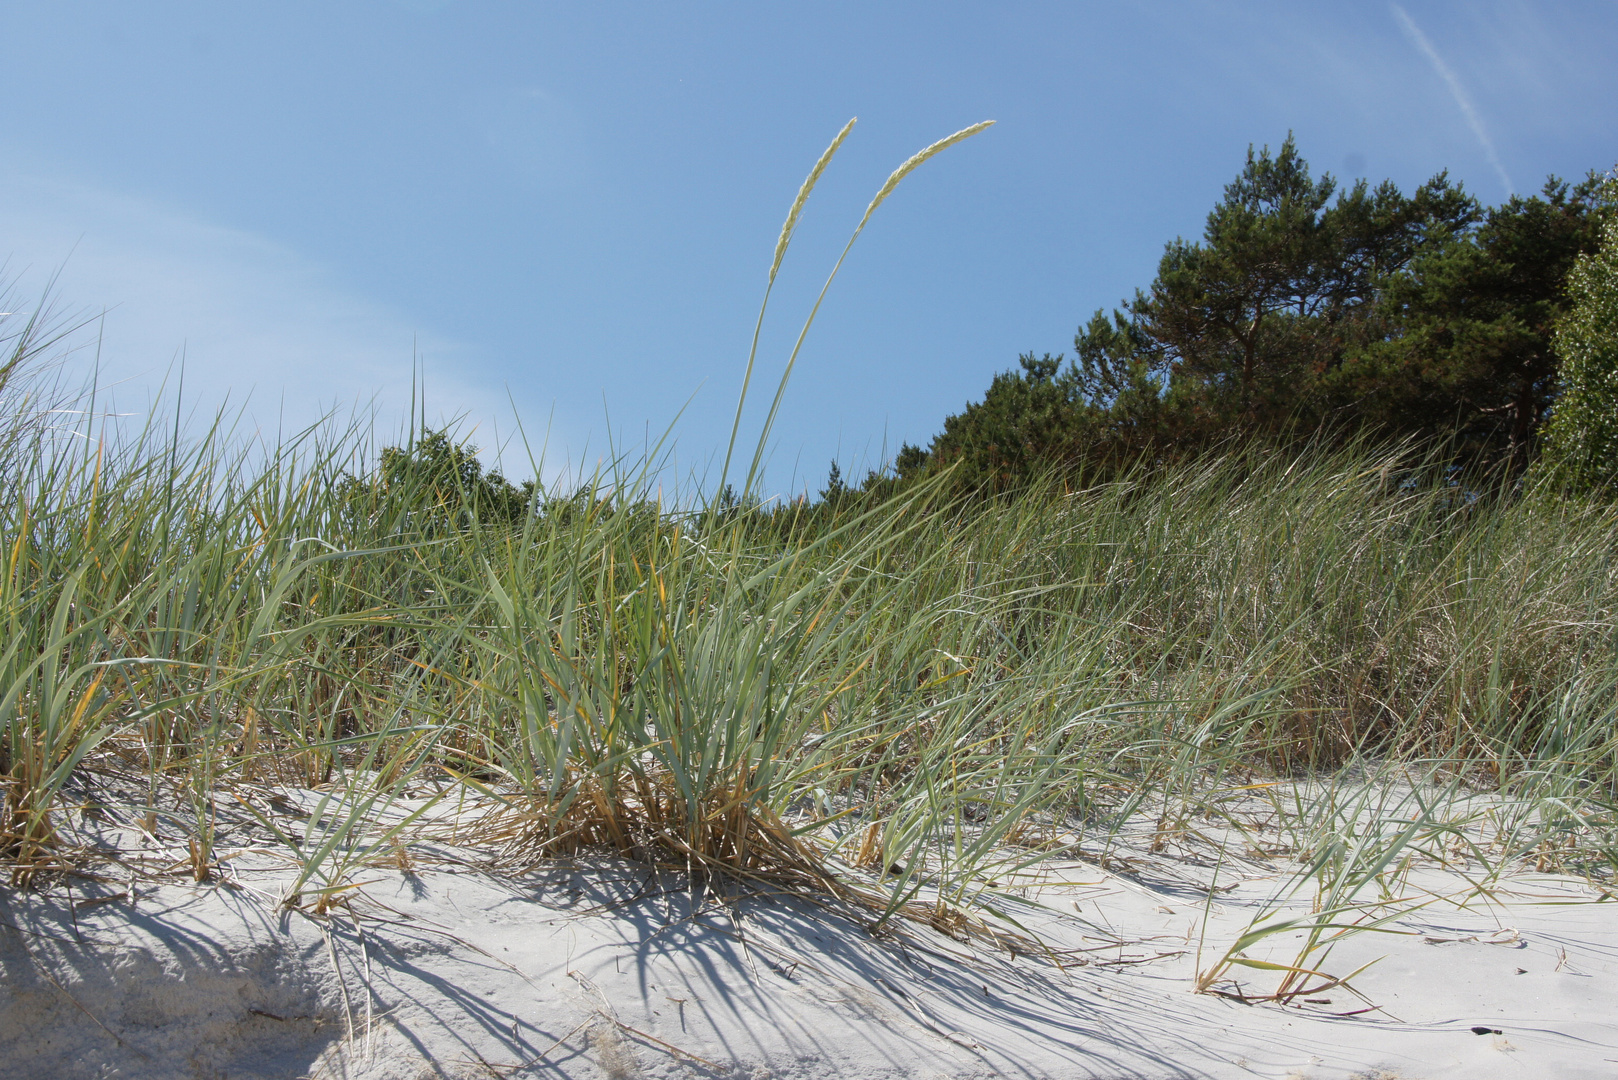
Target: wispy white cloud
point(258, 325)
point(1463, 101)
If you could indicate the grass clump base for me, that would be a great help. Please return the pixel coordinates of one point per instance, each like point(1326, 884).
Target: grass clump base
point(225, 659)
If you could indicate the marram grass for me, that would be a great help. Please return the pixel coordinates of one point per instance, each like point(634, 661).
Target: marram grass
point(892, 700)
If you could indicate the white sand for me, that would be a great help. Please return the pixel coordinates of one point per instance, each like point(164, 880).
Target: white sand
point(596, 971)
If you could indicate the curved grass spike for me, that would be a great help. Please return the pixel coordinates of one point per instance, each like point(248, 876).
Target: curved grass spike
point(788, 227)
point(887, 188)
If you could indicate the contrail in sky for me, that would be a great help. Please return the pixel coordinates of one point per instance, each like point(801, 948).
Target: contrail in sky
point(1457, 91)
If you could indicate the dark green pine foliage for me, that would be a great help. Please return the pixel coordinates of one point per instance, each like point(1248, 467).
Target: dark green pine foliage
point(1028, 418)
point(1473, 319)
point(1237, 335)
point(836, 489)
point(1304, 307)
point(1245, 327)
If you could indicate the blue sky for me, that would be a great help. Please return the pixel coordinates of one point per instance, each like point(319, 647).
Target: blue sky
point(568, 211)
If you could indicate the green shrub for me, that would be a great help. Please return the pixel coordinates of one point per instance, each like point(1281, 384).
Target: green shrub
point(1582, 441)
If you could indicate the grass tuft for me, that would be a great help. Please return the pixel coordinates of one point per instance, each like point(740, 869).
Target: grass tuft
point(896, 700)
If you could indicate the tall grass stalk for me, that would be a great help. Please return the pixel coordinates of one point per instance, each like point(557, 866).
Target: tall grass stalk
point(896, 696)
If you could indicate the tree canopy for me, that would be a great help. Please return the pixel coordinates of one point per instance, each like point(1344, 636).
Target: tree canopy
point(1582, 436)
point(435, 477)
point(1304, 305)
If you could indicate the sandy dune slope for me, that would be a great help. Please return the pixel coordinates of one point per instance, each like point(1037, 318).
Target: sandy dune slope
point(608, 969)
